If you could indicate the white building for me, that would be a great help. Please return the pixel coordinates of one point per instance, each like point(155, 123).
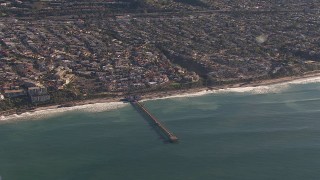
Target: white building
point(1, 97)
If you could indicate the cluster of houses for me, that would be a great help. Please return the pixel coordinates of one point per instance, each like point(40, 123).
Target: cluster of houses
point(77, 8)
point(232, 47)
point(35, 94)
point(126, 52)
point(59, 53)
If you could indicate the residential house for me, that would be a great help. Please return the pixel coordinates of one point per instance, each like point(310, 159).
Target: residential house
point(14, 93)
point(38, 94)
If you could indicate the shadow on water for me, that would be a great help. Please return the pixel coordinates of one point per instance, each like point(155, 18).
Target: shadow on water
point(154, 126)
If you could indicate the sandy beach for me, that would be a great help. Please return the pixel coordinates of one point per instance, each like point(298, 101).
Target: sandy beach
point(305, 78)
point(104, 104)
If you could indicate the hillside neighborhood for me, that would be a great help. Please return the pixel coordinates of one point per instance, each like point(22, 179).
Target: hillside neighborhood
point(59, 51)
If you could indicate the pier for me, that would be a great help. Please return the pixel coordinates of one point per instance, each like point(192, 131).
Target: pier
point(172, 138)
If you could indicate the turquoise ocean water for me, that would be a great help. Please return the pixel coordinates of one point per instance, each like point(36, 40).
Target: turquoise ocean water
point(258, 133)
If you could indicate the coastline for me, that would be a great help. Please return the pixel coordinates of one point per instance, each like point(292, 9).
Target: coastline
point(103, 104)
point(209, 90)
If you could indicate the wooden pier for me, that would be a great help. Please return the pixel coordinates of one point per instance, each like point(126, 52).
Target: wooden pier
point(171, 136)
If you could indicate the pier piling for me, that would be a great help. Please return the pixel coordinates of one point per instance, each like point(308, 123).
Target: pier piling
point(172, 138)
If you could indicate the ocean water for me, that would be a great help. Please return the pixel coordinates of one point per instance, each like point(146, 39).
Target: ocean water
point(270, 132)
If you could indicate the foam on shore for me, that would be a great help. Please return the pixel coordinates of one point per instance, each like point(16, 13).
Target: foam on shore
point(272, 88)
point(262, 89)
point(100, 107)
point(46, 113)
point(306, 80)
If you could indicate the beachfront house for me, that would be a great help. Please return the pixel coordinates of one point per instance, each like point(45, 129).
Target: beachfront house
point(38, 94)
point(14, 93)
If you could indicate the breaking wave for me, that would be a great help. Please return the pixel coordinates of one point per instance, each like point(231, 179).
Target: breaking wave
point(263, 89)
point(46, 113)
point(100, 107)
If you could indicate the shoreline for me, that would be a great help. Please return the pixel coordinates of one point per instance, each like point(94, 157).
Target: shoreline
point(210, 90)
point(110, 102)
